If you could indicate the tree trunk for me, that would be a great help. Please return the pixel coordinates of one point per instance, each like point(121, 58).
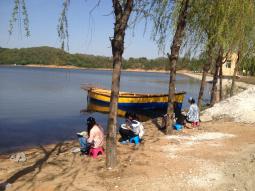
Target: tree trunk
point(234, 75)
point(173, 58)
point(215, 77)
point(220, 75)
point(205, 72)
point(121, 19)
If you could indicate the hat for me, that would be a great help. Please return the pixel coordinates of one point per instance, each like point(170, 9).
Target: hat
point(82, 134)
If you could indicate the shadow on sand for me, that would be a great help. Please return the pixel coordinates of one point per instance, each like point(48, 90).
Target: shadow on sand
point(36, 168)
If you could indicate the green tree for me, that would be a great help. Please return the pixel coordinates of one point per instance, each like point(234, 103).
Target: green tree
point(166, 12)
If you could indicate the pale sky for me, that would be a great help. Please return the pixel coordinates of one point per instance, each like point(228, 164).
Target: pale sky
point(88, 35)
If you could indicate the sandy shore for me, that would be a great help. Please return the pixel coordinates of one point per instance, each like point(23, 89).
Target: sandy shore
point(184, 72)
point(217, 156)
point(82, 68)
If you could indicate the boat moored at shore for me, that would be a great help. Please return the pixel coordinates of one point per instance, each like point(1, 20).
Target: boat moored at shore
point(135, 100)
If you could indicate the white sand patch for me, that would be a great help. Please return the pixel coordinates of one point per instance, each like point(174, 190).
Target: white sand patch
point(211, 136)
point(240, 107)
point(209, 176)
point(185, 142)
point(207, 136)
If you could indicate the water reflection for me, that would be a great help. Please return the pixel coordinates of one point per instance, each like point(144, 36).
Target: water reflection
point(143, 115)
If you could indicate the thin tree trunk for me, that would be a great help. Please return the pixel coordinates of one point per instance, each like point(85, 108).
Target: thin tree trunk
point(220, 75)
point(205, 72)
point(173, 58)
point(215, 76)
point(121, 19)
point(234, 75)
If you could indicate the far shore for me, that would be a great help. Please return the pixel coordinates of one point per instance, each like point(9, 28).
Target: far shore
point(83, 68)
point(184, 72)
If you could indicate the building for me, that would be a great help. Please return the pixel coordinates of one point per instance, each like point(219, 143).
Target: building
point(229, 65)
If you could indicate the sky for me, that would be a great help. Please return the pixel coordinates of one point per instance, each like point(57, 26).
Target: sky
point(88, 34)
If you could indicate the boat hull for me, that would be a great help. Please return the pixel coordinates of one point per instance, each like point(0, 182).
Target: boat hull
point(136, 101)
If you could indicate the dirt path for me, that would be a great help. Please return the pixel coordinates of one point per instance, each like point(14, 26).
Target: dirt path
point(217, 156)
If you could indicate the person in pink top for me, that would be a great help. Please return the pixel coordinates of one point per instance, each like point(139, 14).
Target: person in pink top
point(95, 133)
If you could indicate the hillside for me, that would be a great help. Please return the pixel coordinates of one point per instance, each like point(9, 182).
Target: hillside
point(54, 56)
point(49, 55)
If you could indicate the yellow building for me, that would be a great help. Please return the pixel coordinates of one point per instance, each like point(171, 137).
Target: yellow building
point(229, 65)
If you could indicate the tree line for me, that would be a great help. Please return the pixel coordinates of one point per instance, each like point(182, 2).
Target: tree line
point(55, 56)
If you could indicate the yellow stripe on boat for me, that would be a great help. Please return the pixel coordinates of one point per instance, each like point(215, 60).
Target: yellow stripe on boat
point(124, 97)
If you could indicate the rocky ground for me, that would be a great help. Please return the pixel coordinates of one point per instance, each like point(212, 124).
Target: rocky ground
point(241, 108)
point(219, 155)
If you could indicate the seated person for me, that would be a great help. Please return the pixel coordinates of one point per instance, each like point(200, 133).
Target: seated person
point(84, 145)
point(183, 118)
point(95, 133)
point(193, 114)
point(131, 128)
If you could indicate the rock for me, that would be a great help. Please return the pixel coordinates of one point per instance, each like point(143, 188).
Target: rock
point(75, 150)
point(19, 157)
point(8, 185)
point(205, 118)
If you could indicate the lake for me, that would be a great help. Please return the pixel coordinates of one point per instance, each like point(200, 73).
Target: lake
point(42, 105)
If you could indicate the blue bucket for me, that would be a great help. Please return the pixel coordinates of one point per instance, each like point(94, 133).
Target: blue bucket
point(177, 126)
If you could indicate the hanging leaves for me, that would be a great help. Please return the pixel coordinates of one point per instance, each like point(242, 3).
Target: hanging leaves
point(63, 26)
point(19, 13)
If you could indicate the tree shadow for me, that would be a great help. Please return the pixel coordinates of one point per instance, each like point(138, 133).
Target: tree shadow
point(38, 164)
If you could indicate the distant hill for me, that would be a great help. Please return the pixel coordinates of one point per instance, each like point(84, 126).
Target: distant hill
point(54, 56)
point(48, 55)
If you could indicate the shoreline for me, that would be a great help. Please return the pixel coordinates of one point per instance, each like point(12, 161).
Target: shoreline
point(70, 67)
point(194, 75)
point(191, 74)
point(82, 68)
point(185, 72)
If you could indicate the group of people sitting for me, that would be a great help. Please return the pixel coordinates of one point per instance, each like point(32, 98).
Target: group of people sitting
point(132, 128)
point(94, 136)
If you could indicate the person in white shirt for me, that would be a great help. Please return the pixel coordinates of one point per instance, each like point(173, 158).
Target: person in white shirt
point(131, 128)
point(193, 114)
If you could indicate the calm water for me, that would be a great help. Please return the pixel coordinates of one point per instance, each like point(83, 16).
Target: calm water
point(41, 106)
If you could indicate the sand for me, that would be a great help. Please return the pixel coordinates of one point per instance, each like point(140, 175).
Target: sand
point(217, 156)
point(82, 68)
